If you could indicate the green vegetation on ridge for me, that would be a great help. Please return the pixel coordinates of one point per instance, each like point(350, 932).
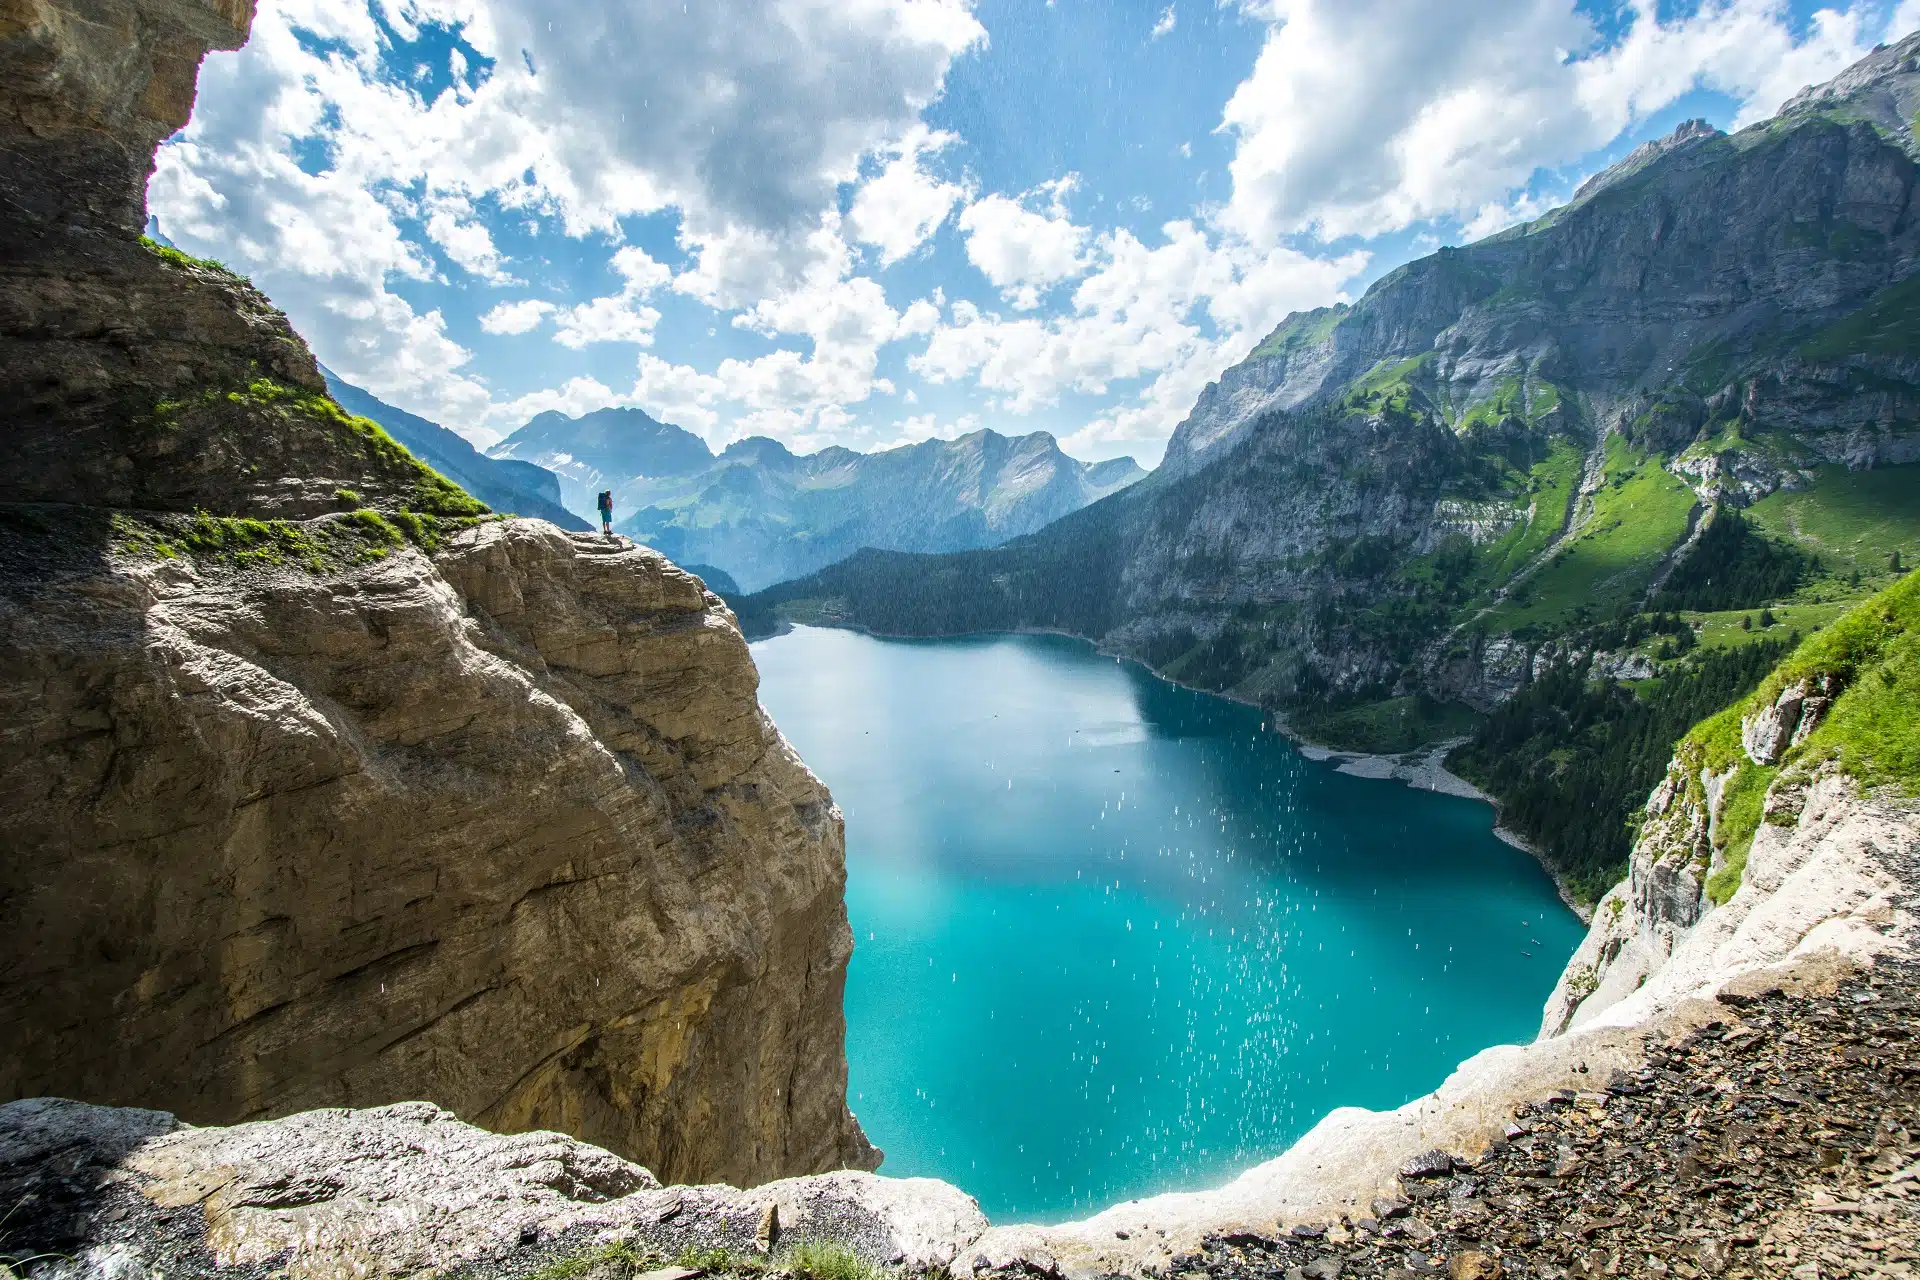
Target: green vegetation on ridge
point(1571, 760)
point(1639, 514)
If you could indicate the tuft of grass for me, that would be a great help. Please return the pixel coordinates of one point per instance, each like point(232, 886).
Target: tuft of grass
point(1741, 807)
point(186, 261)
point(718, 1261)
point(618, 1254)
point(819, 1261)
point(348, 498)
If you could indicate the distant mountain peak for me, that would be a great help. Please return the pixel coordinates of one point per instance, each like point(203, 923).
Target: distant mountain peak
point(1640, 157)
point(1886, 63)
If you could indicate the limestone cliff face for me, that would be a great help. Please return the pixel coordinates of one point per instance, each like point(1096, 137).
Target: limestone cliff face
point(1817, 858)
point(317, 798)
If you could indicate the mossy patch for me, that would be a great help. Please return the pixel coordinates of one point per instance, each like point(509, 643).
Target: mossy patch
point(322, 545)
point(1299, 331)
point(186, 261)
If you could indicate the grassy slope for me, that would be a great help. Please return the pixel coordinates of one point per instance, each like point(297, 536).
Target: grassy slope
point(1871, 734)
point(1850, 519)
point(1552, 482)
point(1639, 514)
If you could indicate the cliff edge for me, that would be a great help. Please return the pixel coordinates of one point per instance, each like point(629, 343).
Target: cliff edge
point(323, 787)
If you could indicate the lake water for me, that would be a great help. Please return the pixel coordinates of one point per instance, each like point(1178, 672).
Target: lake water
point(1113, 937)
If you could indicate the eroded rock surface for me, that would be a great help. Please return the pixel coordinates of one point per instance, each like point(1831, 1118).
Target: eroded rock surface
point(403, 1190)
point(332, 793)
point(505, 829)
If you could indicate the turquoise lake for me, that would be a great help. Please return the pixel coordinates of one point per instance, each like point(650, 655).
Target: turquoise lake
point(1113, 937)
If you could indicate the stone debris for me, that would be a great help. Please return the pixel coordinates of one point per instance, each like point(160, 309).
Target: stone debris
point(1782, 1140)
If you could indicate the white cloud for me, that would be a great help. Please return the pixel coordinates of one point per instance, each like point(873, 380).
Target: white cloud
point(468, 243)
point(1138, 313)
point(617, 317)
point(516, 317)
point(899, 209)
point(1022, 252)
point(744, 118)
point(1165, 25)
point(1366, 116)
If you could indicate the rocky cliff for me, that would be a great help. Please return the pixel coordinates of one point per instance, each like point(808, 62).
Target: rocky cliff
point(321, 787)
point(1785, 814)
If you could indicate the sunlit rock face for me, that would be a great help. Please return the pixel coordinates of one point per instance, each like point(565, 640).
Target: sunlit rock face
point(484, 814)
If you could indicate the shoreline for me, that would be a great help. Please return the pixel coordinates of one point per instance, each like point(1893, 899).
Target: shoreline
point(1423, 768)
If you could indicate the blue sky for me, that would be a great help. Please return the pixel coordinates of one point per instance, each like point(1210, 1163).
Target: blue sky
point(868, 222)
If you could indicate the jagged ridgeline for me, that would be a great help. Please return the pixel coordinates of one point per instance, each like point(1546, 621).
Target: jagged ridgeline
point(1641, 440)
point(322, 786)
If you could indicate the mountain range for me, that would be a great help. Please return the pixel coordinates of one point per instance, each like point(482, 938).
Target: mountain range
point(1602, 438)
point(764, 514)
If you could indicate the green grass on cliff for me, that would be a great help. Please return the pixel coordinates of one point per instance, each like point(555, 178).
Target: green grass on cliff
point(1551, 484)
point(296, 415)
point(1853, 520)
point(623, 1260)
point(1871, 734)
point(1299, 331)
point(1639, 515)
point(174, 257)
point(316, 546)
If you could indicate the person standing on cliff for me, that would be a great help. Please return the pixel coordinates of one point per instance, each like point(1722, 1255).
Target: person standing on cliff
point(606, 512)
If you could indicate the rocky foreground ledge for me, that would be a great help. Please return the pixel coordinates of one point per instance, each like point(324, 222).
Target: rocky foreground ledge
point(1780, 1137)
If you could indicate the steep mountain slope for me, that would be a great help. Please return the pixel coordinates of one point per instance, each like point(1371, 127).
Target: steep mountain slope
point(503, 484)
point(762, 514)
point(318, 784)
point(1495, 459)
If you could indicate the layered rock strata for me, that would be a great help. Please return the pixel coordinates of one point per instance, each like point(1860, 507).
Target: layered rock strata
point(504, 828)
point(316, 787)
